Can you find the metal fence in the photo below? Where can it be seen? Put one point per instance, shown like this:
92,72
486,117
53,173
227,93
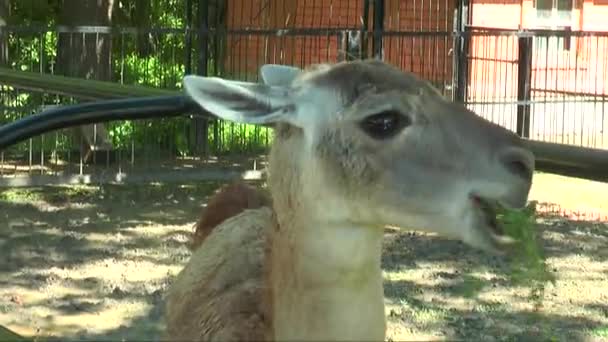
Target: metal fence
545,85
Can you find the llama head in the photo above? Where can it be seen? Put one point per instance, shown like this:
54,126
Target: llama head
372,146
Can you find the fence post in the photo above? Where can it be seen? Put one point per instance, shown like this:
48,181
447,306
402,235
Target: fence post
524,80
364,30
201,124
378,28
461,51
188,47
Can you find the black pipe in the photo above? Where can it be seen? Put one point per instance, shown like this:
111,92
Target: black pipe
96,112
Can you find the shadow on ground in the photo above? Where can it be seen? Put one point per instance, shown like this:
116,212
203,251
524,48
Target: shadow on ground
81,261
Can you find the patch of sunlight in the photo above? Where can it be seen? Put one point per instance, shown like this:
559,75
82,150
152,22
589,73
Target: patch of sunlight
419,314
157,230
584,264
121,269
48,207
161,253
568,191
53,322
18,233
491,307
600,332
428,316
30,296
21,195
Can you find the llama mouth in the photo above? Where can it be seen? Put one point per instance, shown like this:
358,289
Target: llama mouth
488,213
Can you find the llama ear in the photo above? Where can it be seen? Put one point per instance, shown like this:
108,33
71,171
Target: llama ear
243,102
279,75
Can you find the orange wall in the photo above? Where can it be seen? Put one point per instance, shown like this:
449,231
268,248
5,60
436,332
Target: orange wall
496,13
427,56
247,52
575,70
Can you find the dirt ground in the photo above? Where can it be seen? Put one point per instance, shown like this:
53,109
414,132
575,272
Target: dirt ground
92,263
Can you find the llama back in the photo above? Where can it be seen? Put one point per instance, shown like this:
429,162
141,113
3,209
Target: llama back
227,202
219,295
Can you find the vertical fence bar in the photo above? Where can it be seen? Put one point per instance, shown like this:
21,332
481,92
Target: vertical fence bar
201,123
188,47
364,29
524,80
461,50
378,28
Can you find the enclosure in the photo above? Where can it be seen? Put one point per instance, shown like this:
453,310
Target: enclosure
95,219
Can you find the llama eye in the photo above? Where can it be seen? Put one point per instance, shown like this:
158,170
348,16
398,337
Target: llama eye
385,124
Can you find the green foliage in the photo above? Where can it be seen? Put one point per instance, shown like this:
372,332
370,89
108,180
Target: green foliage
41,12
528,266
161,66
601,332
230,137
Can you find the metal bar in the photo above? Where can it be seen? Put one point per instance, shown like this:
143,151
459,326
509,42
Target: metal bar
77,87
201,124
95,112
461,51
188,47
530,102
570,160
364,29
378,28
470,30
524,81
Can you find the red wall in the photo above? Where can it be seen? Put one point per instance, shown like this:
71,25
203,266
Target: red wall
426,56
574,70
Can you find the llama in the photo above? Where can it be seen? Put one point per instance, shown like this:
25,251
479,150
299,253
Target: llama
227,202
358,146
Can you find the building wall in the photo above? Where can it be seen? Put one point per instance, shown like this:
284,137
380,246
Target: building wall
428,56
504,14
582,68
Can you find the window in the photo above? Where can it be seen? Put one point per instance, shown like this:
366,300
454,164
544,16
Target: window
554,14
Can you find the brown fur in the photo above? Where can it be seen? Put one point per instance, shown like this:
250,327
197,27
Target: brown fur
219,295
227,202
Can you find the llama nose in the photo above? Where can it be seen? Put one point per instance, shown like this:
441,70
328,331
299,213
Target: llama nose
519,162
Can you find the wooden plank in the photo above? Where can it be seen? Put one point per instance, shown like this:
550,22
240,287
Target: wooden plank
76,87
569,160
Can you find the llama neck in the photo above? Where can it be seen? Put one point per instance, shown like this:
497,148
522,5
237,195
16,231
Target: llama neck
326,282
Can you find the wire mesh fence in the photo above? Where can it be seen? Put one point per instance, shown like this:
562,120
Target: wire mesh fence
556,82
546,85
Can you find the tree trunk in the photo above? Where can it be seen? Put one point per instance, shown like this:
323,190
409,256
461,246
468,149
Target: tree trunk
5,12
143,20
217,20
86,55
